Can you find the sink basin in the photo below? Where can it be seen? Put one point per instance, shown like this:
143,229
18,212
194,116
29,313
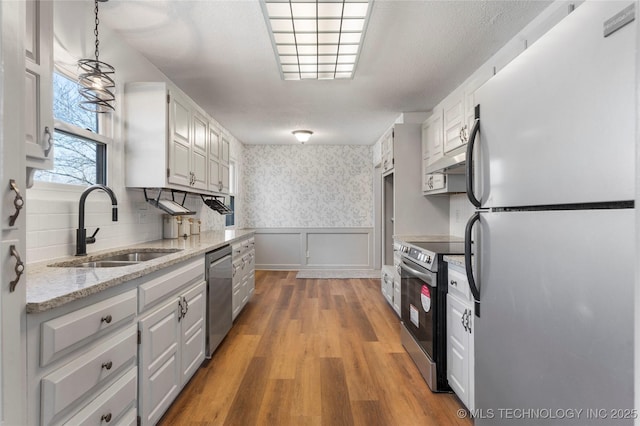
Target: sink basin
103,264
121,258
135,257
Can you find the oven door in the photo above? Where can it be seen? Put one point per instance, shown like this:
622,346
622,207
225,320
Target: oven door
419,304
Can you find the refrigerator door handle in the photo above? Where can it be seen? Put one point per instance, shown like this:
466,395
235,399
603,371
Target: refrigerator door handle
467,257
469,159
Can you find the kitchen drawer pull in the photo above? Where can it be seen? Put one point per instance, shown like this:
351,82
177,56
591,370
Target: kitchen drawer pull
181,309
468,321
462,320
18,202
107,319
106,418
107,365
19,268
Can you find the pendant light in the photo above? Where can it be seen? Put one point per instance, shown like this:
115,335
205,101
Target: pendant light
96,82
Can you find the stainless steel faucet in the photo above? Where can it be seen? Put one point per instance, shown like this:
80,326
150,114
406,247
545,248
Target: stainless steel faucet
81,234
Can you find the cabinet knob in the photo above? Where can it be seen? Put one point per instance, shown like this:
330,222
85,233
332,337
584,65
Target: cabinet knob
107,319
106,418
454,283
107,365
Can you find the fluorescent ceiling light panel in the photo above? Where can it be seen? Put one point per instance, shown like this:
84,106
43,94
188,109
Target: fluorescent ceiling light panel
317,39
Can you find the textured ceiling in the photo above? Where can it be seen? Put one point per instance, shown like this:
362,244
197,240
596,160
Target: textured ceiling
220,54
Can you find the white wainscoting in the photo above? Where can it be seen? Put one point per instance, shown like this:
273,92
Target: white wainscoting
314,248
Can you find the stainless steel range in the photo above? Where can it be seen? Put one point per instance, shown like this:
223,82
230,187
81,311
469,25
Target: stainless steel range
423,308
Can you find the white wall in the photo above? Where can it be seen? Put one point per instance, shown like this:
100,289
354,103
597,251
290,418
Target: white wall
460,210
307,186
52,210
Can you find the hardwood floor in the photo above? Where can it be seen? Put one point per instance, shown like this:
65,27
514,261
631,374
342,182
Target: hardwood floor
312,352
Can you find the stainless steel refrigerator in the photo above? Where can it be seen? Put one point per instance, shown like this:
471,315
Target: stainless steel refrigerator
553,177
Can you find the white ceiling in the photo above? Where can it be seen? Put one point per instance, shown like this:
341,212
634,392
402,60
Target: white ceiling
219,52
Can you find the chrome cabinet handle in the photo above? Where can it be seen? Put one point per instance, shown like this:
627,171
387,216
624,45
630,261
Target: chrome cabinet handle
19,268
107,365
106,319
462,320
180,309
49,140
469,321
18,202
106,418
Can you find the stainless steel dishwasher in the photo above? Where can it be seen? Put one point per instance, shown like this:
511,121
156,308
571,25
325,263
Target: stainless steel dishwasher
219,292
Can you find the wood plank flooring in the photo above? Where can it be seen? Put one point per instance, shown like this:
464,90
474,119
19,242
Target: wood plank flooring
312,352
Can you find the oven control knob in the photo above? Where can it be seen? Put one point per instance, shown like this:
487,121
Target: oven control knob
428,259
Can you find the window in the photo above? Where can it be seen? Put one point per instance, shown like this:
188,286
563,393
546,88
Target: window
230,219
80,150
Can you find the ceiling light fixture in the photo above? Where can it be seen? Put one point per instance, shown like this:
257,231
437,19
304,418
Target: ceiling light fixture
302,135
96,84
317,39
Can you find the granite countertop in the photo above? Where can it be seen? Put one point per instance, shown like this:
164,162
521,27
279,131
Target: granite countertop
50,287
455,260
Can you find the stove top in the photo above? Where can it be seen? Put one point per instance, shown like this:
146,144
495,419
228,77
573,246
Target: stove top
440,247
429,254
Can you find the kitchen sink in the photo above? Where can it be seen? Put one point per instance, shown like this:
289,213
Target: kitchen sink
113,260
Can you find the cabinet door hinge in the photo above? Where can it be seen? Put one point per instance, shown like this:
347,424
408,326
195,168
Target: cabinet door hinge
168,172
139,337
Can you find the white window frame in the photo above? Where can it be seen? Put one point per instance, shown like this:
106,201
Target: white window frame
103,136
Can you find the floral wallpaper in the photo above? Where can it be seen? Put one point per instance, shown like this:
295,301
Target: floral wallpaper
307,186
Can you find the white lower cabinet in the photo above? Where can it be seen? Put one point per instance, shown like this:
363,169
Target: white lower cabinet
172,344
460,339
243,280
82,361
120,356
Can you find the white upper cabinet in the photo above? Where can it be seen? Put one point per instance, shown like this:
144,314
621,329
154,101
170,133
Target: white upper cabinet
387,151
171,142
218,160
432,135
453,121
38,85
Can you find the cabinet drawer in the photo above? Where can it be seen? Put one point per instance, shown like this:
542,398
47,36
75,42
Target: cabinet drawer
159,288
236,250
62,333
86,372
458,283
130,418
111,404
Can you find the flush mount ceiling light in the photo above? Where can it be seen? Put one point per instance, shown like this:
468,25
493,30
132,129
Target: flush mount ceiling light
302,135
317,39
96,84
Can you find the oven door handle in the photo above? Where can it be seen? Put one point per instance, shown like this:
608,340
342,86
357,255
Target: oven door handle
428,278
